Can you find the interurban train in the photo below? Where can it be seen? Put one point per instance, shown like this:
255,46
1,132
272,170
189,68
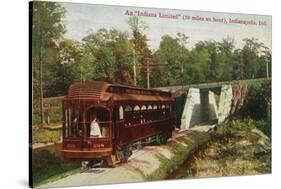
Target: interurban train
125,116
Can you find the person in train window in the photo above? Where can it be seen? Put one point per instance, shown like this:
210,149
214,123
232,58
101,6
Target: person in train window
142,120
74,126
95,128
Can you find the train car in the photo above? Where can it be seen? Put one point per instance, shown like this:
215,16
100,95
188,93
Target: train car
103,121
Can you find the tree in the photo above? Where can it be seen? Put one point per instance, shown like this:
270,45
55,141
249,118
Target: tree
250,55
113,51
226,57
238,65
265,62
58,76
47,30
137,25
173,54
141,52
197,69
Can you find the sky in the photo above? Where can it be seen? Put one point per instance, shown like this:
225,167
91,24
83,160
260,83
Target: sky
83,19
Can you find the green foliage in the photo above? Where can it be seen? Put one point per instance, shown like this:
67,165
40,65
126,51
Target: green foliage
113,56
108,54
264,126
244,153
142,55
46,165
44,136
236,148
257,105
249,124
180,153
246,124
52,112
172,54
197,69
47,30
137,25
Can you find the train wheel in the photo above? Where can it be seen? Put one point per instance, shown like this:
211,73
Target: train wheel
120,156
158,139
124,154
84,165
127,152
164,138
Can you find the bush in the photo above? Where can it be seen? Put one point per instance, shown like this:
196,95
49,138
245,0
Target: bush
43,159
46,165
246,124
264,126
44,135
256,102
52,111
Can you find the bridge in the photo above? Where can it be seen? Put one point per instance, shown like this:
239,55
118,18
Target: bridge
208,102
197,103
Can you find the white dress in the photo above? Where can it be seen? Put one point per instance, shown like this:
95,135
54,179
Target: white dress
95,129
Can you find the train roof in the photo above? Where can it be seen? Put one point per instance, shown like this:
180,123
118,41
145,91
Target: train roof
103,91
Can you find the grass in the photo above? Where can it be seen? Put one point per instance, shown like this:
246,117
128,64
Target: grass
54,173
180,152
40,135
47,167
248,124
237,156
237,148
52,111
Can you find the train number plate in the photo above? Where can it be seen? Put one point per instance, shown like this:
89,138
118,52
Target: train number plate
98,145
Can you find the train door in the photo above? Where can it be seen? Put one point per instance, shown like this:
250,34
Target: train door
115,123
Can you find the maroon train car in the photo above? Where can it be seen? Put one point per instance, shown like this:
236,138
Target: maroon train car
126,116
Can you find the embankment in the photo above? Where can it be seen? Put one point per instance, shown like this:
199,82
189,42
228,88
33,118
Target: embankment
148,163
157,162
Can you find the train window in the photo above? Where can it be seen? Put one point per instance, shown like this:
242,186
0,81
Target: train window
121,90
136,108
142,120
73,123
110,89
136,118
163,106
66,121
128,115
164,113
121,113
128,108
149,107
143,116
155,107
